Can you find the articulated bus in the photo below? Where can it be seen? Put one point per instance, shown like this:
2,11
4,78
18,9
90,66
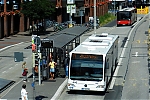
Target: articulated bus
126,16
93,62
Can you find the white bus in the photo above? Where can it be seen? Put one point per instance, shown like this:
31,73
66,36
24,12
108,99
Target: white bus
93,63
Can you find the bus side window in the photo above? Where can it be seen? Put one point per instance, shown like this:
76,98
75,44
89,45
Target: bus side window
130,14
107,64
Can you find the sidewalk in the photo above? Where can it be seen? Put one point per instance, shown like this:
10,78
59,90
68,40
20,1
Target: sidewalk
21,37
18,43
48,90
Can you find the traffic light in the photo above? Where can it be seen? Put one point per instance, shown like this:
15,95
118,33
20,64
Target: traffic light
36,43
33,47
36,61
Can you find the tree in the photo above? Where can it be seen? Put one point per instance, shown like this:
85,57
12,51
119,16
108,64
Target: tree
37,9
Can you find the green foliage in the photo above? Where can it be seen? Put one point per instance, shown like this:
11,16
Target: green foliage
37,9
108,17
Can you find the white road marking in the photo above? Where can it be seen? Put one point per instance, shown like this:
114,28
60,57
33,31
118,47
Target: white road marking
13,87
136,62
4,71
26,58
120,60
10,67
16,64
136,54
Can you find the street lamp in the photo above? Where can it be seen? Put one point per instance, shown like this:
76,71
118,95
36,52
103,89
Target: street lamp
114,7
27,0
71,9
14,4
1,3
95,16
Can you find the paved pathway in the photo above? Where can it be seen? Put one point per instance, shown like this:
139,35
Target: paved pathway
8,46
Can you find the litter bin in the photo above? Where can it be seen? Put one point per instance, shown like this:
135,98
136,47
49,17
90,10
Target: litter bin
45,73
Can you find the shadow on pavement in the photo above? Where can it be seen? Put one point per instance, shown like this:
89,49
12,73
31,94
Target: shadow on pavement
40,97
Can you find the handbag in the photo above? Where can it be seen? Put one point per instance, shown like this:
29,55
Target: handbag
24,73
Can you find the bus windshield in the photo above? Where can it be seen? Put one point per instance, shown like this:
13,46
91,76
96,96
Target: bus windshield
123,15
88,69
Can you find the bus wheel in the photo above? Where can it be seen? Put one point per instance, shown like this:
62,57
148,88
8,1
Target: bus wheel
103,92
118,25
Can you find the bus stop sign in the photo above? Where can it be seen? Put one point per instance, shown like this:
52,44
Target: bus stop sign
46,43
37,41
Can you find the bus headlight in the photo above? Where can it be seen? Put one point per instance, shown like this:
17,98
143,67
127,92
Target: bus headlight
100,86
71,85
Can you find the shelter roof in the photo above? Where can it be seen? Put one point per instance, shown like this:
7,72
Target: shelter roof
66,36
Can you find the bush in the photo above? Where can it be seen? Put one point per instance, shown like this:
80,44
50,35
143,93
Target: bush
108,17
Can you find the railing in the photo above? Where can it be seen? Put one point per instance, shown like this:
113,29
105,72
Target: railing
142,10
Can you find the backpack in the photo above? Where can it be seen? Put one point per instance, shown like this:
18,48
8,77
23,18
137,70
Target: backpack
66,61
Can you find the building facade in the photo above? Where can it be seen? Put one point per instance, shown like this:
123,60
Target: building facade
12,21
87,6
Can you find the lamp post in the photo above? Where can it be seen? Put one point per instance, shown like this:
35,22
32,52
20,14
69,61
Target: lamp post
71,8
95,16
114,7
70,16
1,3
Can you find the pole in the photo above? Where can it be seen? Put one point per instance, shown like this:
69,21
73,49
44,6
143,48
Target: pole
81,20
114,7
95,16
71,15
39,68
81,16
149,19
33,93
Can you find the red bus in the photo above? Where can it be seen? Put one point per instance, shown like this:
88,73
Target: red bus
126,16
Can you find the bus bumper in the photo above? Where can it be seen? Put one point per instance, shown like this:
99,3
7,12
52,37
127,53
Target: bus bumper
93,88
123,23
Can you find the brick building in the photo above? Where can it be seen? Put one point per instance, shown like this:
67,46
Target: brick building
86,5
12,21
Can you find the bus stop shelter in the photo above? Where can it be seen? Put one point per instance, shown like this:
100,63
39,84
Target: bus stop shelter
63,42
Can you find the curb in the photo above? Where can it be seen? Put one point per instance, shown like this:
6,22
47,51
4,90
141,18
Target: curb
12,86
7,86
59,90
7,47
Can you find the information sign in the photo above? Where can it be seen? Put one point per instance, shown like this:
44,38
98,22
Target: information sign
46,43
70,1
71,8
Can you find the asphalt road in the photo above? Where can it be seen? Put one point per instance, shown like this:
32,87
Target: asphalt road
133,74
137,76
132,78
